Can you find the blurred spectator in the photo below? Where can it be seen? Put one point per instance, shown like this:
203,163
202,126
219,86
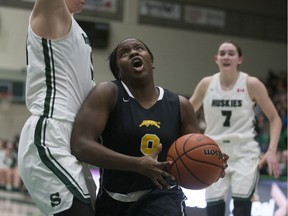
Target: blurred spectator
283,160
9,174
13,180
2,165
262,129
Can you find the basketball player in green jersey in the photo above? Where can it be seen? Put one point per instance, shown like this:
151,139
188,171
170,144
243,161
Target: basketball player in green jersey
59,77
136,122
228,98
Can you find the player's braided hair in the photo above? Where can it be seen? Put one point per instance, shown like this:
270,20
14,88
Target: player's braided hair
113,59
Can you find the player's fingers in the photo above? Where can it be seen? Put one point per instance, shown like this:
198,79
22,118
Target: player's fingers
274,170
225,157
160,181
163,183
168,175
223,174
157,184
261,163
158,150
164,166
270,170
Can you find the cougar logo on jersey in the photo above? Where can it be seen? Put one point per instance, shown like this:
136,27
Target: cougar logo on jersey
148,123
55,199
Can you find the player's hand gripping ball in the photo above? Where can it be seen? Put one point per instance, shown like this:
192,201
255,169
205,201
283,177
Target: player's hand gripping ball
197,161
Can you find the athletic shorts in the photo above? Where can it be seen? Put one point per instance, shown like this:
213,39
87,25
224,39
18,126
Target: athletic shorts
157,202
242,172
50,173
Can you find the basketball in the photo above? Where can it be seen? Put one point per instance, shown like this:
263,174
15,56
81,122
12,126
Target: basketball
197,161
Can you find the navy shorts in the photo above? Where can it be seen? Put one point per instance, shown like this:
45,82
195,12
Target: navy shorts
158,202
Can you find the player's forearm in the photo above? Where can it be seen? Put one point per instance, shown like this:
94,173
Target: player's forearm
98,155
275,130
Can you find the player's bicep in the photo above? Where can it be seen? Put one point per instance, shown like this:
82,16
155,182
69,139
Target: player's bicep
94,112
189,123
259,94
50,19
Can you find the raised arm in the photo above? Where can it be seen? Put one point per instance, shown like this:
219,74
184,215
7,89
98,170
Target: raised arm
51,19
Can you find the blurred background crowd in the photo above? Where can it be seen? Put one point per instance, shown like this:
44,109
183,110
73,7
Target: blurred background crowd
9,174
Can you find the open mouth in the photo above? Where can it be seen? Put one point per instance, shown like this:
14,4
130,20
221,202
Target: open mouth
137,63
226,64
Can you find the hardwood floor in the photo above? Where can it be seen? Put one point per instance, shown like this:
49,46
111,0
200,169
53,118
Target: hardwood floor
17,204
272,193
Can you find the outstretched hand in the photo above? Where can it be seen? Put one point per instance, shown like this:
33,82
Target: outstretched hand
270,158
150,167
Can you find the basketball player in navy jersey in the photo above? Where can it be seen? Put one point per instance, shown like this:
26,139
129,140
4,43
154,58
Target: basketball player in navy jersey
59,77
228,99
136,122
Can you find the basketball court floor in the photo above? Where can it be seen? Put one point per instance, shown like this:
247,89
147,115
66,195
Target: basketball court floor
20,204
17,204
273,198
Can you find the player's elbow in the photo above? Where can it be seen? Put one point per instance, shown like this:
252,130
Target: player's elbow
77,149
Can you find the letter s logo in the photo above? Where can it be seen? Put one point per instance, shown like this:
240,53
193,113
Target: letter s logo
55,199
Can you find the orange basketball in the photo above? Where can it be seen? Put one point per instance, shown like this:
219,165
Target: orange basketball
197,161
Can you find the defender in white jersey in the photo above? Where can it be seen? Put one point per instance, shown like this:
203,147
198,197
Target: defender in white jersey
228,99
59,77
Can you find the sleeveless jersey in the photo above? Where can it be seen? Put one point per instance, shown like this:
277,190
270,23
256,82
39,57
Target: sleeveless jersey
136,131
229,114
59,73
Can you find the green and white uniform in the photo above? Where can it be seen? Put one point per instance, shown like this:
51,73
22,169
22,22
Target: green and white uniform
230,119
59,77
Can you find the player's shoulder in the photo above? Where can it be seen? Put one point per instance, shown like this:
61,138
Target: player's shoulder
183,101
105,86
103,93
255,86
104,89
204,83
168,95
249,77
253,81
206,80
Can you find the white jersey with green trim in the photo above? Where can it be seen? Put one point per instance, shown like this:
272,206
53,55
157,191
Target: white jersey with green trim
59,73
229,114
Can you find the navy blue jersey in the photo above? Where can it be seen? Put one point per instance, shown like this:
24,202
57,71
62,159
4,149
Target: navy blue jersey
133,130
